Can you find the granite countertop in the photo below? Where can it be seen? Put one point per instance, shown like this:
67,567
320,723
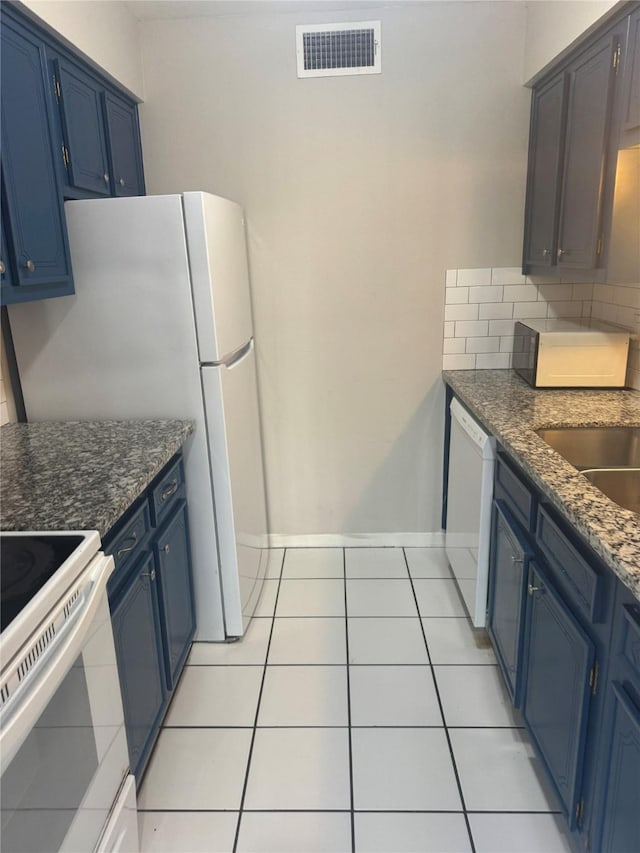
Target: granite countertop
80,475
512,410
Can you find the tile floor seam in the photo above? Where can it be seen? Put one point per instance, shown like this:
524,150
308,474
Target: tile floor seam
346,635
439,699
255,721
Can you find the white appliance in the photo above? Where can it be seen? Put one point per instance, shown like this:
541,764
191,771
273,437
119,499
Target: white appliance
469,496
571,353
160,326
63,751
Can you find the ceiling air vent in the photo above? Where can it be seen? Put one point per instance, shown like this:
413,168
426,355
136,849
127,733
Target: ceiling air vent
328,50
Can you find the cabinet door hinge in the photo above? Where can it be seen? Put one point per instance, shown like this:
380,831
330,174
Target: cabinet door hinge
65,156
593,678
56,88
616,58
600,246
579,811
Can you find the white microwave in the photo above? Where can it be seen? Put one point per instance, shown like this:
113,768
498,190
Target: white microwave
570,354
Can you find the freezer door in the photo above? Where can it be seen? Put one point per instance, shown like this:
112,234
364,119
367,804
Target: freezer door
219,274
233,431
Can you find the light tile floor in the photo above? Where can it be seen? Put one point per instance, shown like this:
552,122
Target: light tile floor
361,712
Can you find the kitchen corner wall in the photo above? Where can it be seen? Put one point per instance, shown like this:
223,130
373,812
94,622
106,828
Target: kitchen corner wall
358,192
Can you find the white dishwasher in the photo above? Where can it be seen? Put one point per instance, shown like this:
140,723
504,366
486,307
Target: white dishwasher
469,495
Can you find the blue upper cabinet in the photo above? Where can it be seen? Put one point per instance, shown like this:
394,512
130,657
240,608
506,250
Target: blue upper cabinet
68,131
125,150
35,231
85,143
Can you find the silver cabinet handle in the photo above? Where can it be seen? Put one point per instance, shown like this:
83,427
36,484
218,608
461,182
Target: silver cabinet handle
133,539
531,589
151,575
562,253
171,489
166,548
546,253
3,269
122,182
516,560
106,178
29,266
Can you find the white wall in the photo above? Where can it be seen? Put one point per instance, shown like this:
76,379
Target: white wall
359,192
553,24
106,31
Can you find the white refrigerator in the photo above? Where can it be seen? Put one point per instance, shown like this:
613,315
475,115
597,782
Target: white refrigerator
161,326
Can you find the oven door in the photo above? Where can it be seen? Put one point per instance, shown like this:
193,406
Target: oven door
64,751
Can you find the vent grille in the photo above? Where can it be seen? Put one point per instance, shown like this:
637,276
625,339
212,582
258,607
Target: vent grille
327,50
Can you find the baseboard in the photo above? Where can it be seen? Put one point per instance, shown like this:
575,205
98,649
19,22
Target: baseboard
357,540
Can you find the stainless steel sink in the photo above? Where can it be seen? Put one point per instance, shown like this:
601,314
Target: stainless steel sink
622,485
595,447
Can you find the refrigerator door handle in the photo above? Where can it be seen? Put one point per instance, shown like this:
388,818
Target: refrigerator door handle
233,358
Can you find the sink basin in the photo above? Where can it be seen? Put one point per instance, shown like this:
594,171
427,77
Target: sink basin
596,447
621,485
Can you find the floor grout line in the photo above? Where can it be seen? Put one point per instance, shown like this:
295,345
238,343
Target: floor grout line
444,720
346,634
255,724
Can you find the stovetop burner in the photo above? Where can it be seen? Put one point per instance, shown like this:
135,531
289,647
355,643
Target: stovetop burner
26,564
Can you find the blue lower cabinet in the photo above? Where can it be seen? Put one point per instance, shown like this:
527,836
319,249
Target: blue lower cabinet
621,827
557,689
135,620
176,592
509,567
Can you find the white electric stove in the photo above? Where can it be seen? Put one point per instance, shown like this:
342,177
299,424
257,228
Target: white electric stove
63,752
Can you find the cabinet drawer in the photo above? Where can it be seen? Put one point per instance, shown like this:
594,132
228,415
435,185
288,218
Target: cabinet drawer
166,490
581,581
510,487
126,543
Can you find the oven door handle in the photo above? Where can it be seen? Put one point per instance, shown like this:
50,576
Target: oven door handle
24,708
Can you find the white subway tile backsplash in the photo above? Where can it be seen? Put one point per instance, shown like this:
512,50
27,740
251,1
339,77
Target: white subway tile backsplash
471,329
457,295
555,292
507,343
474,278
520,293
564,309
485,294
453,346
501,327
458,362
493,361
529,310
482,344
496,311
460,312
482,305
507,275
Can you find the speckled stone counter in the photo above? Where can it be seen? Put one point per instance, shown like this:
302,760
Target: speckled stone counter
80,475
511,410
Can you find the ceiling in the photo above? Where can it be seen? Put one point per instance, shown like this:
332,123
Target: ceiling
151,9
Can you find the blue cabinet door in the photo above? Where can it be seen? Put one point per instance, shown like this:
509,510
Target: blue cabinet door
137,638
176,592
621,830
83,128
35,228
508,571
557,692
124,146
6,280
